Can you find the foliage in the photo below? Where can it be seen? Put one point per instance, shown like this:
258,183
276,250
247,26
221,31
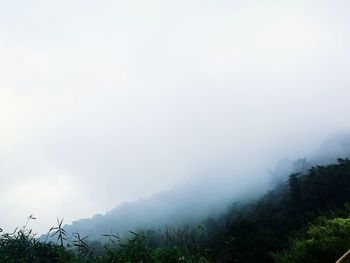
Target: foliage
21,246
252,232
325,241
304,219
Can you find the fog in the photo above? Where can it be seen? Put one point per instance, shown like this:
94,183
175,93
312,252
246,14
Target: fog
103,103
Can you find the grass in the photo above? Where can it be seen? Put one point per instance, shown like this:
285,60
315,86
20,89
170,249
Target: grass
180,245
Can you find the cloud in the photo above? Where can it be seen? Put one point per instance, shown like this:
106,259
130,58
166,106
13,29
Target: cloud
123,99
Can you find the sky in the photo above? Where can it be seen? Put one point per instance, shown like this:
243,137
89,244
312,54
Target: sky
103,102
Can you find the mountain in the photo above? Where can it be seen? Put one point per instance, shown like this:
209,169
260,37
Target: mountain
196,200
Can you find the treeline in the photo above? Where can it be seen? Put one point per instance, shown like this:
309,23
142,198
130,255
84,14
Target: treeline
262,231
304,219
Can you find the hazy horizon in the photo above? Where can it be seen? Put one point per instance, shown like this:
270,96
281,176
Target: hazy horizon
113,101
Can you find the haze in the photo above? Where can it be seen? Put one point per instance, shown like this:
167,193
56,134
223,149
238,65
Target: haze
103,102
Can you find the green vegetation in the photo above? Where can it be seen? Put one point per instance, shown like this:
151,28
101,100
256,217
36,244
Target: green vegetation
22,246
325,241
305,219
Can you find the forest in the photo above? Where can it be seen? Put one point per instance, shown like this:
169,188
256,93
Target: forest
304,218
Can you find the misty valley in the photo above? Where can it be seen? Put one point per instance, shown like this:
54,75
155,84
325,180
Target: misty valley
174,131
302,217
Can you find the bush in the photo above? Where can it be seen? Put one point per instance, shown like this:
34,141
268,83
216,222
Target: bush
21,246
326,241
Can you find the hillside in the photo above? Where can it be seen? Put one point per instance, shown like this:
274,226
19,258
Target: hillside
303,217
303,220
200,198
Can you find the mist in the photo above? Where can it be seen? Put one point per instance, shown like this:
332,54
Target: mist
113,102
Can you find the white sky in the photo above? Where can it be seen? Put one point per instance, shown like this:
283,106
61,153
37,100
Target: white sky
109,101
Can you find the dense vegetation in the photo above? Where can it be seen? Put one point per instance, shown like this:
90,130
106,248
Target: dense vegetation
255,232
304,219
